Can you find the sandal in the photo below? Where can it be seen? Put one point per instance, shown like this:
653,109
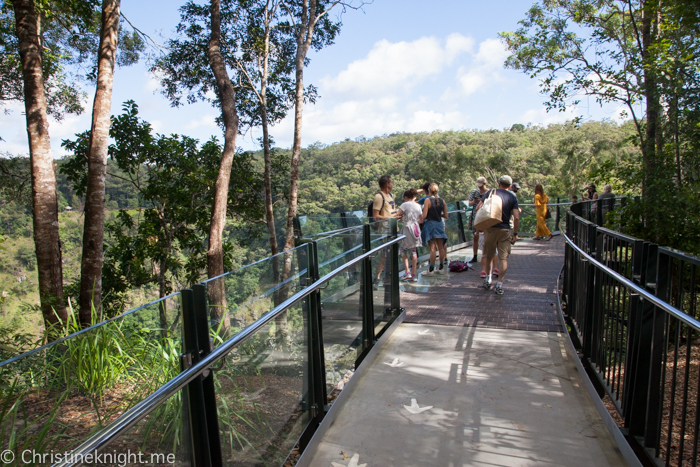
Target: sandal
550,237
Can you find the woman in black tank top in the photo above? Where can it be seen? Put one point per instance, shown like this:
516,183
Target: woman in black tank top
434,211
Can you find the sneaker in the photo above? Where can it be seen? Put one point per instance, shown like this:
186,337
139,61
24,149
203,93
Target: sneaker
442,271
483,274
487,284
495,271
413,279
429,273
408,277
499,289
473,260
376,283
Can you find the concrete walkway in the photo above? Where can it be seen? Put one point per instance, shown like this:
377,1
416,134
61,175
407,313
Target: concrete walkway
494,371
499,398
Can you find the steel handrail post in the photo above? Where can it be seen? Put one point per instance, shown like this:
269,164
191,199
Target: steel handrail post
316,354
196,407
589,312
639,252
395,290
643,342
366,297
205,346
557,218
460,226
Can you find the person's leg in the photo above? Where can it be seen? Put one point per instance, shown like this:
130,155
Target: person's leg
503,249
489,252
432,253
475,245
380,265
414,257
443,252
407,271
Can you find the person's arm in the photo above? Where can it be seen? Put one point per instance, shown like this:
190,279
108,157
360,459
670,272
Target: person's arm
595,195
538,201
516,224
472,200
376,211
426,206
444,209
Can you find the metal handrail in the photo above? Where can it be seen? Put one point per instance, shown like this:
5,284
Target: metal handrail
127,420
678,314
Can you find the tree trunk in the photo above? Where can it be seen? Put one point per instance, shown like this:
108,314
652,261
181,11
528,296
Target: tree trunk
93,232
267,178
44,199
215,253
162,305
652,116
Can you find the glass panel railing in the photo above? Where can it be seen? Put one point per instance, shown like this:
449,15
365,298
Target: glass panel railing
381,295
239,298
161,438
56,396
262,393
341,305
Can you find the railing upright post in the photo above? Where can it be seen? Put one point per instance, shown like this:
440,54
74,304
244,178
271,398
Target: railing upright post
395,290
366,291
557,218
623,204
316,353
590,311
599,212
639,343
205,344
460,226
194,394
296,225
657,272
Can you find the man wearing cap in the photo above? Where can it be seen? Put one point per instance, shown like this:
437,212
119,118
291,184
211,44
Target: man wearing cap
474,199
498,237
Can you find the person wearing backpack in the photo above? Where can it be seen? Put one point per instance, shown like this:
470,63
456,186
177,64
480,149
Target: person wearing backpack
434,211
411,214
382,207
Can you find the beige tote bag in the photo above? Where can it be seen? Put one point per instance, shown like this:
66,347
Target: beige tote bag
491,213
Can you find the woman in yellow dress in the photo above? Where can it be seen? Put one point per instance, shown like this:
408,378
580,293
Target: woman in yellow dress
541,201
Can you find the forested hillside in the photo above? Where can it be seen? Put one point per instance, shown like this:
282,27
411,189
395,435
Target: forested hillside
338,177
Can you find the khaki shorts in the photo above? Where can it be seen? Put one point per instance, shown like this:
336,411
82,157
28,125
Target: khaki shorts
497,240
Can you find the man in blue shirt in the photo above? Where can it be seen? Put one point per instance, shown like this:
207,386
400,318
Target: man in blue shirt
498,237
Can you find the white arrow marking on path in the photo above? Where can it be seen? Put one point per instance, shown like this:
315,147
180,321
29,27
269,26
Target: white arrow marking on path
348,328
395,363
423,332
353,462
415,408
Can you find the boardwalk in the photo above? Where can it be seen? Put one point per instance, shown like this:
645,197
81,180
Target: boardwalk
528,303
490,376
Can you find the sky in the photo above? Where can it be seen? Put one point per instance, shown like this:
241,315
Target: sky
397,66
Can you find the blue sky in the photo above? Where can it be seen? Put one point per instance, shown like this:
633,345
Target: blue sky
397,66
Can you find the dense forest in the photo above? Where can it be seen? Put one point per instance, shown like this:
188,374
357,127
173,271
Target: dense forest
132,214
334,178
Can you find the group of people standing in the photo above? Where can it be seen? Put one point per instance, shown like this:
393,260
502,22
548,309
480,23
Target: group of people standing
423,222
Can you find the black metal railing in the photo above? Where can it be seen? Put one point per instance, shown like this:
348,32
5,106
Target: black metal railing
631,307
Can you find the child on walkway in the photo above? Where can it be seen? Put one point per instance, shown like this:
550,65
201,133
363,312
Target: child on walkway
410,213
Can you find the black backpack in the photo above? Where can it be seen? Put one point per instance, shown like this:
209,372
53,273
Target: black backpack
370,208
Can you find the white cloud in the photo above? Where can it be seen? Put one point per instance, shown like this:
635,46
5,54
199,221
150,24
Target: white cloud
400,65
485,69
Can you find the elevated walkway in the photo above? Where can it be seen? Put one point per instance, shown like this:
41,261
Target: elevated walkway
493,370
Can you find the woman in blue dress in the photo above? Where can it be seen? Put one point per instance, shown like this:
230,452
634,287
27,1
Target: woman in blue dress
434,211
